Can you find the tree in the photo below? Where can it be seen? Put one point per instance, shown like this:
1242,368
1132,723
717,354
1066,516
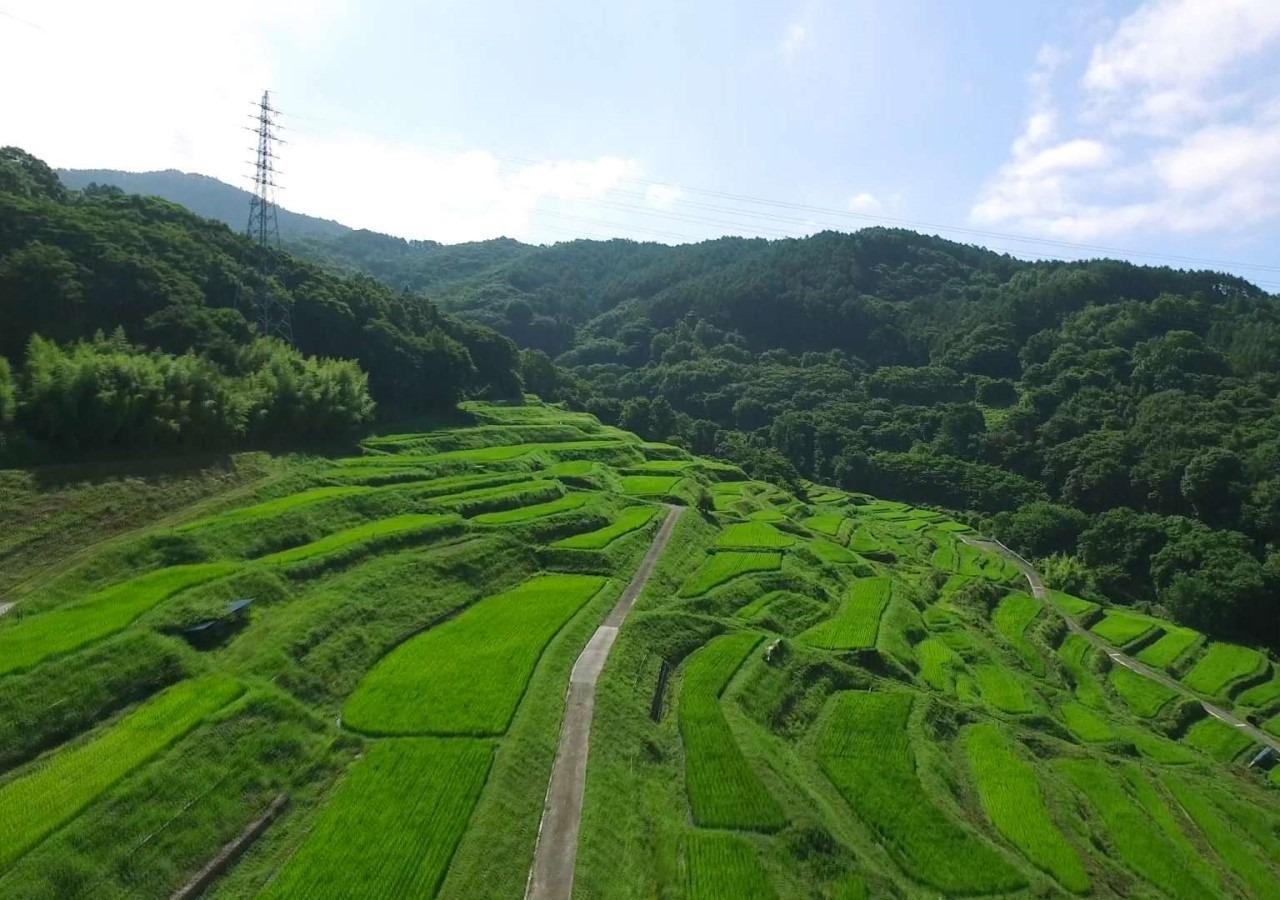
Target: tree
1215,484
1041,529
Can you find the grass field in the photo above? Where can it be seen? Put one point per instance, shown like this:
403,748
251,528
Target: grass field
1169,647
1142,695
466,676
1119,627
864,748
1010,793
630,519
536,511
1218,739
720,866
857,621
1221,666
753,536
270,508
56,787
30,639
1134,829
1012,617
723,790
1001,689
392,826
722,567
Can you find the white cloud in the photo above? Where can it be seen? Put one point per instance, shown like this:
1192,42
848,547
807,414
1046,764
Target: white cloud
865,203
1174,130
795,39
462,196
153,84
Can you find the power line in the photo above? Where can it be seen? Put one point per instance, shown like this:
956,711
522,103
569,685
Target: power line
272,316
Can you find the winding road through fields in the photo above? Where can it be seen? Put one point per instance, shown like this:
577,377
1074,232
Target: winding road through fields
1040,593
551,877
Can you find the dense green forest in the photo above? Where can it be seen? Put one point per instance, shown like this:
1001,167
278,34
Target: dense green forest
1119,422
123,324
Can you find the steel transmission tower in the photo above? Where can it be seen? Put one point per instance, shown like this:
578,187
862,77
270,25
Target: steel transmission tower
269,313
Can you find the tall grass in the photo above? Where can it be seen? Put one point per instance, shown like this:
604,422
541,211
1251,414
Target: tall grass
864,748
1010,792
466,677
723,790
1075,653
1235,848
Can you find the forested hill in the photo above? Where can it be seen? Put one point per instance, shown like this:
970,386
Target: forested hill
123,325
1119,422
201,194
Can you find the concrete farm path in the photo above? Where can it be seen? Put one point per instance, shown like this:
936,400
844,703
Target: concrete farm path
1040,593
554,858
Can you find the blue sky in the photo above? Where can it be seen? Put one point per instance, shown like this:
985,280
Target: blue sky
1042,128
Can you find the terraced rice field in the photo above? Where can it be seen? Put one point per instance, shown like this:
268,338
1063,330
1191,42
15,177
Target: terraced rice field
649,485
393,824
1170,646
1086,724
1262,696
52,790
1120,628
832,554
719,866
1155,853
33,638
723,790
536,511
1142,695
630,519
825,523
466,676
1011,796
1012,618
1075,653
753,536
864,748
725,566
1218,739
1001,689
1239,851
939,664
396,529
1072,605
1221,666
857,622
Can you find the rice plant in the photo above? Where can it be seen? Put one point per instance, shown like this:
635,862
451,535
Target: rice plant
857,621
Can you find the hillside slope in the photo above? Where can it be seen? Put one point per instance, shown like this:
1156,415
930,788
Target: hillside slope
817,694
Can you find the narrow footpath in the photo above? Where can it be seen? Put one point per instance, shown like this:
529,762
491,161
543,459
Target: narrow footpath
1040,593
551,877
